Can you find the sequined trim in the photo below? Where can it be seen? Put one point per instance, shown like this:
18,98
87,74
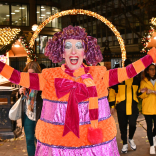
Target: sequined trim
81,123
64,102
88,146
106,149
55,113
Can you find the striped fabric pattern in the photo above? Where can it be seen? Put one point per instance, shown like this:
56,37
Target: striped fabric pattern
92,92
28,80
120,74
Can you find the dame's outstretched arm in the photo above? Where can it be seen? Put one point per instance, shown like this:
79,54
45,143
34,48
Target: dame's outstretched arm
29,80
115,76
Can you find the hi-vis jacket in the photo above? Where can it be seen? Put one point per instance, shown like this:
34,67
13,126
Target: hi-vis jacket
149,100
125,94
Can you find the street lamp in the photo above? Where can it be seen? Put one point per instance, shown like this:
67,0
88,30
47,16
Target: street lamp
34,27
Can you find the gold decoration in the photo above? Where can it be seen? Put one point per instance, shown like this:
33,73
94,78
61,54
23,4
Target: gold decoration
153,21
7,34
83,12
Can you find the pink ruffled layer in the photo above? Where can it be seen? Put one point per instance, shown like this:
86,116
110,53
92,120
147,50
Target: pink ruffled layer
109,148
54,112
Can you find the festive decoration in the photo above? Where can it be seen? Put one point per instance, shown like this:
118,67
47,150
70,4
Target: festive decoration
153,21
84,12
3,58
34,27
148,36
7,35
31,56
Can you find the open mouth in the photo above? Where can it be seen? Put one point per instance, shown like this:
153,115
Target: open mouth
73,60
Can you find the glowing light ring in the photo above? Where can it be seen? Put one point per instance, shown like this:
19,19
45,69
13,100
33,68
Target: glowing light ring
153,21
84,12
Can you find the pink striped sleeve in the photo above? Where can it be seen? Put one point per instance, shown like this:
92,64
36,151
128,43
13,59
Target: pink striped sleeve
29,80
128,71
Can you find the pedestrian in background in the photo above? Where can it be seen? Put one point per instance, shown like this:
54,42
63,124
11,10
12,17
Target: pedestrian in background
124,97
30,115
148,88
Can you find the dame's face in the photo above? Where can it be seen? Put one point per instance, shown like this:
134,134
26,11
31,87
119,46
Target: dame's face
151,71
73,53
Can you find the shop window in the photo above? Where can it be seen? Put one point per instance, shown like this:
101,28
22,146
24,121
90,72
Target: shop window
4,14
19,14
41,42
44,12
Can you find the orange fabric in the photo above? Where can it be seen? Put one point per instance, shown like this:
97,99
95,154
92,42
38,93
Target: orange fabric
42,81
89,82
7,71
25,80
106,79
50,74
122,74
52,134
94,123
79,72
139,66
152,52
93,102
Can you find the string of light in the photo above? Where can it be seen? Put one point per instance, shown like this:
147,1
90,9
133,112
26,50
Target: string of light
83,12
7,35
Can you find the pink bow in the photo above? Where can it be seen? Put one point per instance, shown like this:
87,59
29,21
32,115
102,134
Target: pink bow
78,92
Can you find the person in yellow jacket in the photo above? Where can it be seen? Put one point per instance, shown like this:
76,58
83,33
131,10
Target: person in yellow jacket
148,87
124,97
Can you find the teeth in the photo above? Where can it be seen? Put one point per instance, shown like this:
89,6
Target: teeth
74,60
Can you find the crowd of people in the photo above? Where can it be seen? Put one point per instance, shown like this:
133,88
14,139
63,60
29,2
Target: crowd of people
74,114
124,97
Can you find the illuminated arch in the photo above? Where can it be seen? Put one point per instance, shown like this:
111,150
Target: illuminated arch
84,12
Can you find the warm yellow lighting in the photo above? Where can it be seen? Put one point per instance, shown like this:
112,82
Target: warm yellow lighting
34,27
84,12
17,45
7,34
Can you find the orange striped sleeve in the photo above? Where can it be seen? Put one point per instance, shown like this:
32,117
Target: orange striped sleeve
139,66
24,81
29,80
122,74
7,71
42,81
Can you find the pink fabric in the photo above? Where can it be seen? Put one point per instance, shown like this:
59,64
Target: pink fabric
131,72
55,112
147,60
34,81
109,148
78,92
86,76
15,77
1,66
93,114
113,77
86,69
92,91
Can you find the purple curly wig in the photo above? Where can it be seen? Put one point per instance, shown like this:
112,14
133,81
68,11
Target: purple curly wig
55,46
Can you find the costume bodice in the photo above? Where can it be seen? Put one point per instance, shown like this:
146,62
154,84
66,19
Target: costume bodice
49,75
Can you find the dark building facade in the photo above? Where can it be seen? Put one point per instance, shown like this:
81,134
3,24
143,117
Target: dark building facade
24,14
127,16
